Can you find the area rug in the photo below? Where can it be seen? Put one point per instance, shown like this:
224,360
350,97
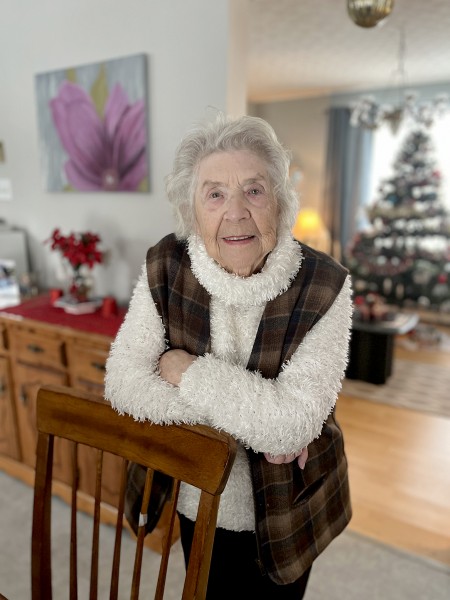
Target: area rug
352,567
413,385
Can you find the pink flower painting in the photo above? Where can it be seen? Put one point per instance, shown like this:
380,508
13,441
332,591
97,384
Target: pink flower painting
101,133
104,154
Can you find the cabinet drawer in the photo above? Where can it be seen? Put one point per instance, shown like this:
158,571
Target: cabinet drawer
39,348
89,365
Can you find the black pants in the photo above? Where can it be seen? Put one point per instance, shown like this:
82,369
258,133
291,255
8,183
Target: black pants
234,570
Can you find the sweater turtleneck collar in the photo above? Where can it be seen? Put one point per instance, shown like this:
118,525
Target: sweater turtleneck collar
280,268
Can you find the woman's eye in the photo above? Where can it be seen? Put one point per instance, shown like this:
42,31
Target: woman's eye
257,195
215,198
255,191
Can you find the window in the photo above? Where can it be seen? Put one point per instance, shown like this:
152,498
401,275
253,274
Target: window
386,147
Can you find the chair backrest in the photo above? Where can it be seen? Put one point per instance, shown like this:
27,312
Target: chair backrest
198,455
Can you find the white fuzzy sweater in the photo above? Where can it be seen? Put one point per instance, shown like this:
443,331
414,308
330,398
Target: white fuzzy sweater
278,416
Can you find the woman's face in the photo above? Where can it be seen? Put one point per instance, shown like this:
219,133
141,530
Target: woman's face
236,211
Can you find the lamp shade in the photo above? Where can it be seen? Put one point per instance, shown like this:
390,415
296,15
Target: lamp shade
310,229
308,225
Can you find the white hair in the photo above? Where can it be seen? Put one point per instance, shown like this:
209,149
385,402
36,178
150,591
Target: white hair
226,134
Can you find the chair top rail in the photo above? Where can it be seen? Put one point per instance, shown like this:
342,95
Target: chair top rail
182,451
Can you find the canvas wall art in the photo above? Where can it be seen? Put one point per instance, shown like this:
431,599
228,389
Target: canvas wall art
93,129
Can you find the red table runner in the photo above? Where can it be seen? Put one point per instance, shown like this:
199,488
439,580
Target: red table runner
40,309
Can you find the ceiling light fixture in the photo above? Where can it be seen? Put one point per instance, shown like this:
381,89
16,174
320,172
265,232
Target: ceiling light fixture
369,13
370,114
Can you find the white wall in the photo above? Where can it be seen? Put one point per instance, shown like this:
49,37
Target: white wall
187,44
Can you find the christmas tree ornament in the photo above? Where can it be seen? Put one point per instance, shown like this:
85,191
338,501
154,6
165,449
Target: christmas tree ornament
445,306
423,302
441,290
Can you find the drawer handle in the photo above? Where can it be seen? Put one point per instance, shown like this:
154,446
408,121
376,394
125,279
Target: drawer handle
35,348
3,387
98,366
23,397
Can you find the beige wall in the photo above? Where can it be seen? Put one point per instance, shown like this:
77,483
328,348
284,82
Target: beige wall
302,127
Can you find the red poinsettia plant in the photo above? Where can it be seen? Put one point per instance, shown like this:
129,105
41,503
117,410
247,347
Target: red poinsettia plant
78,248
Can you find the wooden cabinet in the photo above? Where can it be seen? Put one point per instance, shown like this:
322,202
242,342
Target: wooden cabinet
87,364
42,345
28,379
9,442
38,346
38,357
33,353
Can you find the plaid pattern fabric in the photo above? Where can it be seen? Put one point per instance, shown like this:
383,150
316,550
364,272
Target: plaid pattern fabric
298,513
161,491
181,301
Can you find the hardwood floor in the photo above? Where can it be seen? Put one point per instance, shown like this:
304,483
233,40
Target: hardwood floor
399,464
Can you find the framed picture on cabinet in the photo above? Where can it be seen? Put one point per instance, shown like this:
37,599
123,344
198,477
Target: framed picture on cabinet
9,286
93,129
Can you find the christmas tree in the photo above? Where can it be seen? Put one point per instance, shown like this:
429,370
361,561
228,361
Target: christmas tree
404,256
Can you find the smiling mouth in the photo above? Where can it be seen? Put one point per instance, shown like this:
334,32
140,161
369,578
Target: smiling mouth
238,238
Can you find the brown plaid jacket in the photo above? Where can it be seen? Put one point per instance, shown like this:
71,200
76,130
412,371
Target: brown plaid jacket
298,513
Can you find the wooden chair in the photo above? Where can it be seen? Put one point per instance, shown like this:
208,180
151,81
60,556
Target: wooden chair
198,455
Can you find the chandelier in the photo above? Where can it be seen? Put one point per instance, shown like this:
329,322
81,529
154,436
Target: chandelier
367,113
369,13
370,114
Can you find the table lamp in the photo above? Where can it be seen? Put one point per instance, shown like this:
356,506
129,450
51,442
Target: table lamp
309,228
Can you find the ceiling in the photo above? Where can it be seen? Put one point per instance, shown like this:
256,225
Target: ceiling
301,48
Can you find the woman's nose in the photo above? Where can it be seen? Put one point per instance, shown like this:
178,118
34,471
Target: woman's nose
237,207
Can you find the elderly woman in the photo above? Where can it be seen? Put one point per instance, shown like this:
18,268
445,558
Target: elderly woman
235,324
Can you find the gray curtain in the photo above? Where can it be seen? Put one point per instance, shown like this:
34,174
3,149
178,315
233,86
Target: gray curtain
348,161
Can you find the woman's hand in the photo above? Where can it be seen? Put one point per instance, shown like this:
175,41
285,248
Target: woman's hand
279,459
173,364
